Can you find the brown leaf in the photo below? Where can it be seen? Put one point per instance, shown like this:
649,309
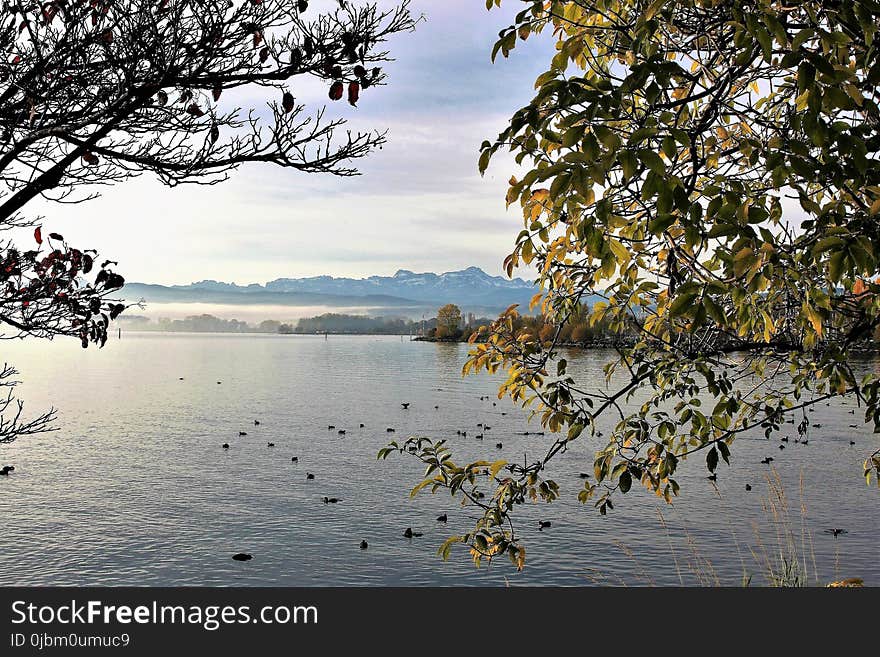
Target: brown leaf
354,90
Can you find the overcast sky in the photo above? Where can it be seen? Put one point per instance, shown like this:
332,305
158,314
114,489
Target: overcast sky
420,205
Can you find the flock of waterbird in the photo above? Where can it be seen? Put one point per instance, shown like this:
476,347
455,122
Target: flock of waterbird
483,428
409,532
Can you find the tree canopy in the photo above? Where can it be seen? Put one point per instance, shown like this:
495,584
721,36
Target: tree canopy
448,320
709,167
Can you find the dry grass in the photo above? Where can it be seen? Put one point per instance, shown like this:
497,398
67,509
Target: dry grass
782,553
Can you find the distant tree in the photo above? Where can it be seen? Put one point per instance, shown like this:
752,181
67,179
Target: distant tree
710,168
448,320
269,326
94,92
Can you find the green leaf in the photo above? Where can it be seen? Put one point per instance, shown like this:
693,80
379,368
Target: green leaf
715,311
725,451
681,304
712,459
660,223
653,161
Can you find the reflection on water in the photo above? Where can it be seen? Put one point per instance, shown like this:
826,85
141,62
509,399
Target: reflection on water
136,489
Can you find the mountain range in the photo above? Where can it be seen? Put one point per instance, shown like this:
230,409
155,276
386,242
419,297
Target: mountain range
469,288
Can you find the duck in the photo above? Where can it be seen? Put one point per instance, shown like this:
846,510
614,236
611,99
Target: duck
405,405
331,500
219,383
767,460
436,407
389,430
748,487
784,439
6,470
479,436
441,518
464,434
242,556
294,459
805,442
270,444
225,445
242,433
543,524
409,533
362,425
713,477
499,445
309,475
180,378
782,447
256,423
486,428
583,475
835,532
364,545
480,424
341,432
330,427
852,442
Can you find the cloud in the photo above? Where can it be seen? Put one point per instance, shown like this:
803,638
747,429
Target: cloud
420,204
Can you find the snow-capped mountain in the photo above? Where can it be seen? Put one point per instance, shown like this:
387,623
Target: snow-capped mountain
471,287
468,286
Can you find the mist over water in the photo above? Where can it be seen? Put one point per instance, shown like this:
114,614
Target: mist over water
256,313
136,489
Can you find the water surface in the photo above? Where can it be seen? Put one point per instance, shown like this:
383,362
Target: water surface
136,489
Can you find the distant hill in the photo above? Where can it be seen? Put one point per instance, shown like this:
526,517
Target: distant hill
471,287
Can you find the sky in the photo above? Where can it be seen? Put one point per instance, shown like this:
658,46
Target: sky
420,203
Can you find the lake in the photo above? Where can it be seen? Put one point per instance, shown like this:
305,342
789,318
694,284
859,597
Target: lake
135,488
